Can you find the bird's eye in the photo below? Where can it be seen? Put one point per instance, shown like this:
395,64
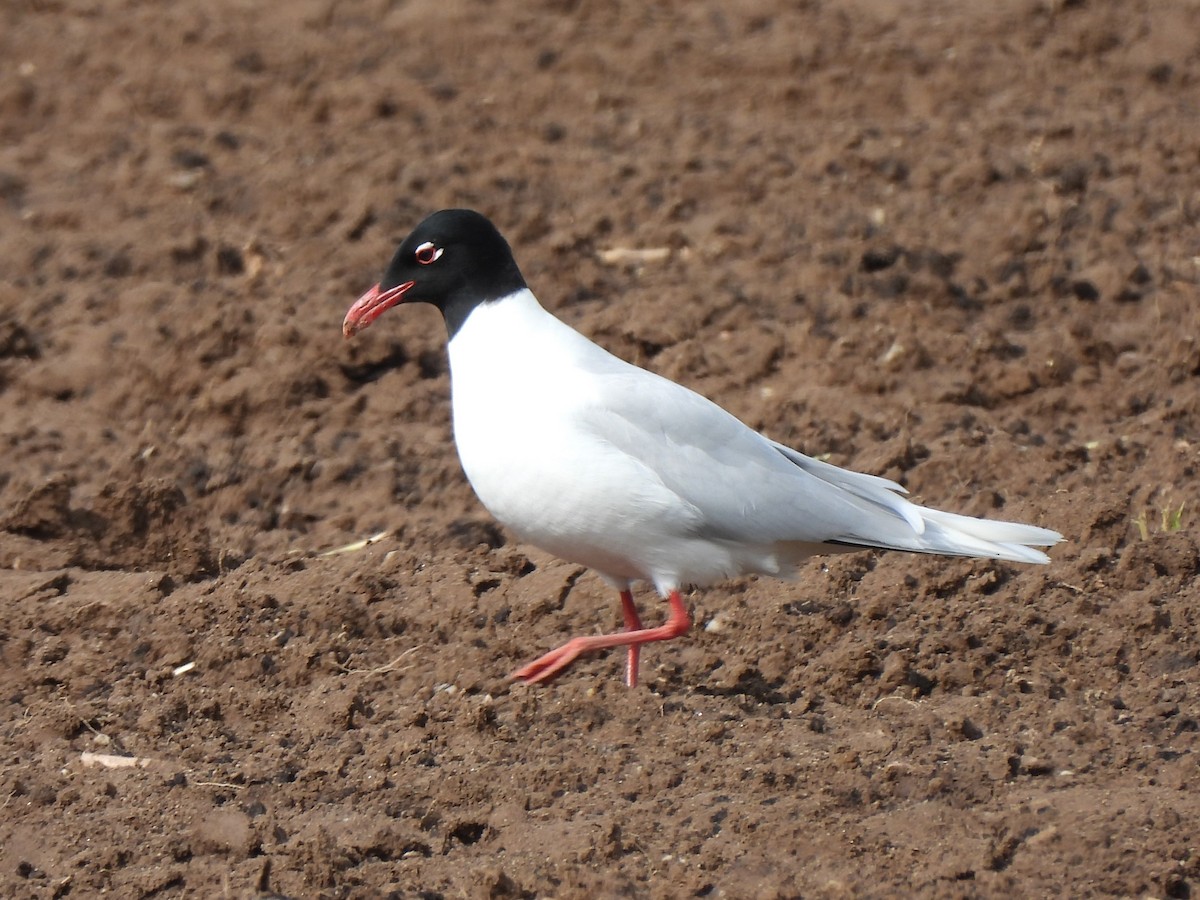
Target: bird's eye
428,253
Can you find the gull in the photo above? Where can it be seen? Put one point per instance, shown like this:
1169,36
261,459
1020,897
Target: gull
618,469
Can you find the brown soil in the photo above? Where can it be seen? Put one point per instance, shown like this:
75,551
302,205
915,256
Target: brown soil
951,243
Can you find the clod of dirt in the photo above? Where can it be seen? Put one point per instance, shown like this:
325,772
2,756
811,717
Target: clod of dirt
135,525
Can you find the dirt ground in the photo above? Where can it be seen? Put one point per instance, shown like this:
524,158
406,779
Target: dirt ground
955,244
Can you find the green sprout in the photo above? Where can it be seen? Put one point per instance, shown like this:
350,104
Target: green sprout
1142,527
1170,521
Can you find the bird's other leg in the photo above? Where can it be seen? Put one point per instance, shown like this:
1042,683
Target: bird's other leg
632,623
550,664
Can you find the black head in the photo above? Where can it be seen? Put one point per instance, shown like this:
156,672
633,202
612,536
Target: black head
455,260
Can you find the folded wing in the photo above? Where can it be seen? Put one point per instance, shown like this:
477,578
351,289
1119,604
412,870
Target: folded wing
749,489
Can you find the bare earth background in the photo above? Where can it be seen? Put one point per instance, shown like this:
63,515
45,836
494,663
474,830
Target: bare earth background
955,244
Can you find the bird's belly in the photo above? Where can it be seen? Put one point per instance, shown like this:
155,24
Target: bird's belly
574,497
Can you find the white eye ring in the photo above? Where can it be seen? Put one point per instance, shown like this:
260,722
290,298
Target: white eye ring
428,253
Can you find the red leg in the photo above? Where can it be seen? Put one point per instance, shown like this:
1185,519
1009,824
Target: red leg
550,664
632,623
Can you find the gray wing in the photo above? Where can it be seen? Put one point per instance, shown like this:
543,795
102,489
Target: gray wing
745,487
